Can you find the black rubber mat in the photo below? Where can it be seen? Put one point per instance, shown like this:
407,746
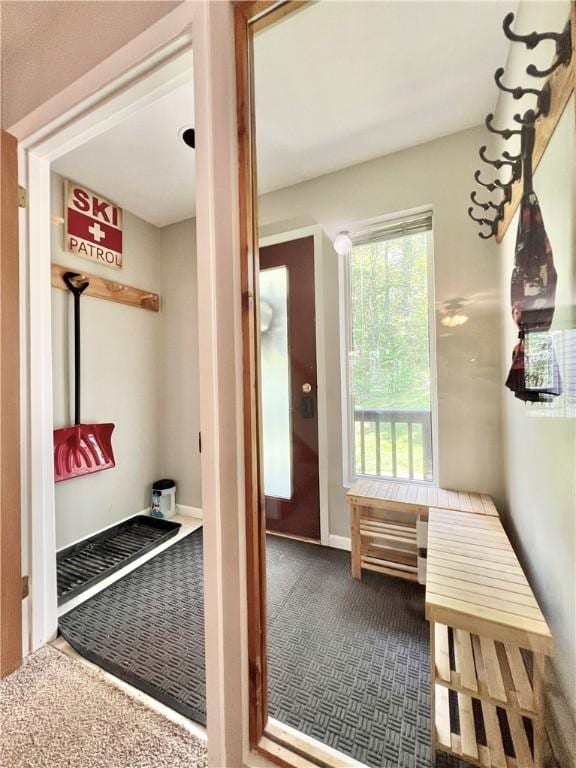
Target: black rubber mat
348,660
89,561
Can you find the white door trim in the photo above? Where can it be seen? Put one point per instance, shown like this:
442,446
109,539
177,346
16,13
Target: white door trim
283,237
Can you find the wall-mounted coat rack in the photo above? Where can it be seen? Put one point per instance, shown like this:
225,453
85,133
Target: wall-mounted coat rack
101,288
541,121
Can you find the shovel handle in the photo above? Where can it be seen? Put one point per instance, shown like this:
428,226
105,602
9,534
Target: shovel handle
77,284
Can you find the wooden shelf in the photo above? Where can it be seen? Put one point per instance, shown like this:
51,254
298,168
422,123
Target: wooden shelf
392,516
493,671
110,290
417,498
461,738
403,535
390,561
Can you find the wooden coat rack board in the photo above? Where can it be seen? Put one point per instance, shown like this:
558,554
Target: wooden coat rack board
562,85
109,290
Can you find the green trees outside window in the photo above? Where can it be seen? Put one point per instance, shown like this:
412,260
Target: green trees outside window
389,357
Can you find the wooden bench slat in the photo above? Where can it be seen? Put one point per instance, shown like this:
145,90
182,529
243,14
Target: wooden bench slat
493,736
464,659
442,652
469,744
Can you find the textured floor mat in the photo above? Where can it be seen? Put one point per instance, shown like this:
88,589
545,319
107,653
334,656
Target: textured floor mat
348,660
138,627
89,561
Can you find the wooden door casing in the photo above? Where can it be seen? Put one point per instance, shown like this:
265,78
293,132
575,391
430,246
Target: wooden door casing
10,523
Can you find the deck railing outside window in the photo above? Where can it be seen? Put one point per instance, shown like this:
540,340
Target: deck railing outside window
393,443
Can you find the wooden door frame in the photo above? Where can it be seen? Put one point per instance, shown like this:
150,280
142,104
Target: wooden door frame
275,741
70,117
11,593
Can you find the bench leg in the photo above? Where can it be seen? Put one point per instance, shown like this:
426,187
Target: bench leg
355,543
538,723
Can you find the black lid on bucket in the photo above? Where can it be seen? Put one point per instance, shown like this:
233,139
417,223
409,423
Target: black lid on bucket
163,485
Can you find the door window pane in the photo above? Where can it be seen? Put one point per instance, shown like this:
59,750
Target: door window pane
275,384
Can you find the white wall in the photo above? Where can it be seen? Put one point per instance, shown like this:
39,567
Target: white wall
438,174
180,416
121,376
540,451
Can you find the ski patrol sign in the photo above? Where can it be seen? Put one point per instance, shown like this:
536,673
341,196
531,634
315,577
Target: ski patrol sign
93,226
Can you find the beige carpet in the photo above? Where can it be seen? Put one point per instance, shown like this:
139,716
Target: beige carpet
55,713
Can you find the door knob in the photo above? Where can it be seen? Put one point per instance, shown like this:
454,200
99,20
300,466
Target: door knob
306,388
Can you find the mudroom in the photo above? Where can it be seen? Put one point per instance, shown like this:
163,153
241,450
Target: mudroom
300,366
125,393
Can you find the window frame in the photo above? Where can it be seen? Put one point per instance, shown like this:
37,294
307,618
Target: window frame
348,430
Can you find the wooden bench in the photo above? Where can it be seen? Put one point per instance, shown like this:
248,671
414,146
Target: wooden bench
388,524
482,612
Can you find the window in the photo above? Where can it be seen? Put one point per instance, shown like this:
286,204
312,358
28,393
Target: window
388,328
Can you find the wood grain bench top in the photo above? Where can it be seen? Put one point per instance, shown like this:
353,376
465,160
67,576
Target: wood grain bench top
419,497
474,581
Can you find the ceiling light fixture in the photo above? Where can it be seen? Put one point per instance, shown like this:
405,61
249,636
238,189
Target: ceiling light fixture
188,136
343,243
453,321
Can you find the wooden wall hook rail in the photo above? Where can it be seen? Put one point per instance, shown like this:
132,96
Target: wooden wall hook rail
109,290
562,83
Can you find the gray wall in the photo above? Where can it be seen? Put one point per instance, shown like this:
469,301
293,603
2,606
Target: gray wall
540,450
180,414
139,370
121,377
439,174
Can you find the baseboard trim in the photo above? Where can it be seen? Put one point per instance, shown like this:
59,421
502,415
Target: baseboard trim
339,542
560,723
186,511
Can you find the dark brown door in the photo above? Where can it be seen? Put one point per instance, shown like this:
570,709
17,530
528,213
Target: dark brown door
289,388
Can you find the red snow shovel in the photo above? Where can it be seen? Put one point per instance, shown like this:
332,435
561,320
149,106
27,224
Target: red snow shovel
83,448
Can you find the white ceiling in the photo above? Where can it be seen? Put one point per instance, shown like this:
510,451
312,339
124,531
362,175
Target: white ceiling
337,83
343,82
140,163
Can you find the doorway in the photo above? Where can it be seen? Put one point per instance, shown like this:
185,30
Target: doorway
84,109
338,147
128,535
290,388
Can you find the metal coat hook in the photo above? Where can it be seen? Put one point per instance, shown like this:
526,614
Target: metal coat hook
478,221
531,40
513,158
528,118
492,186
563,54
562,41
492,223
485,206
506,133
498,163
518,92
